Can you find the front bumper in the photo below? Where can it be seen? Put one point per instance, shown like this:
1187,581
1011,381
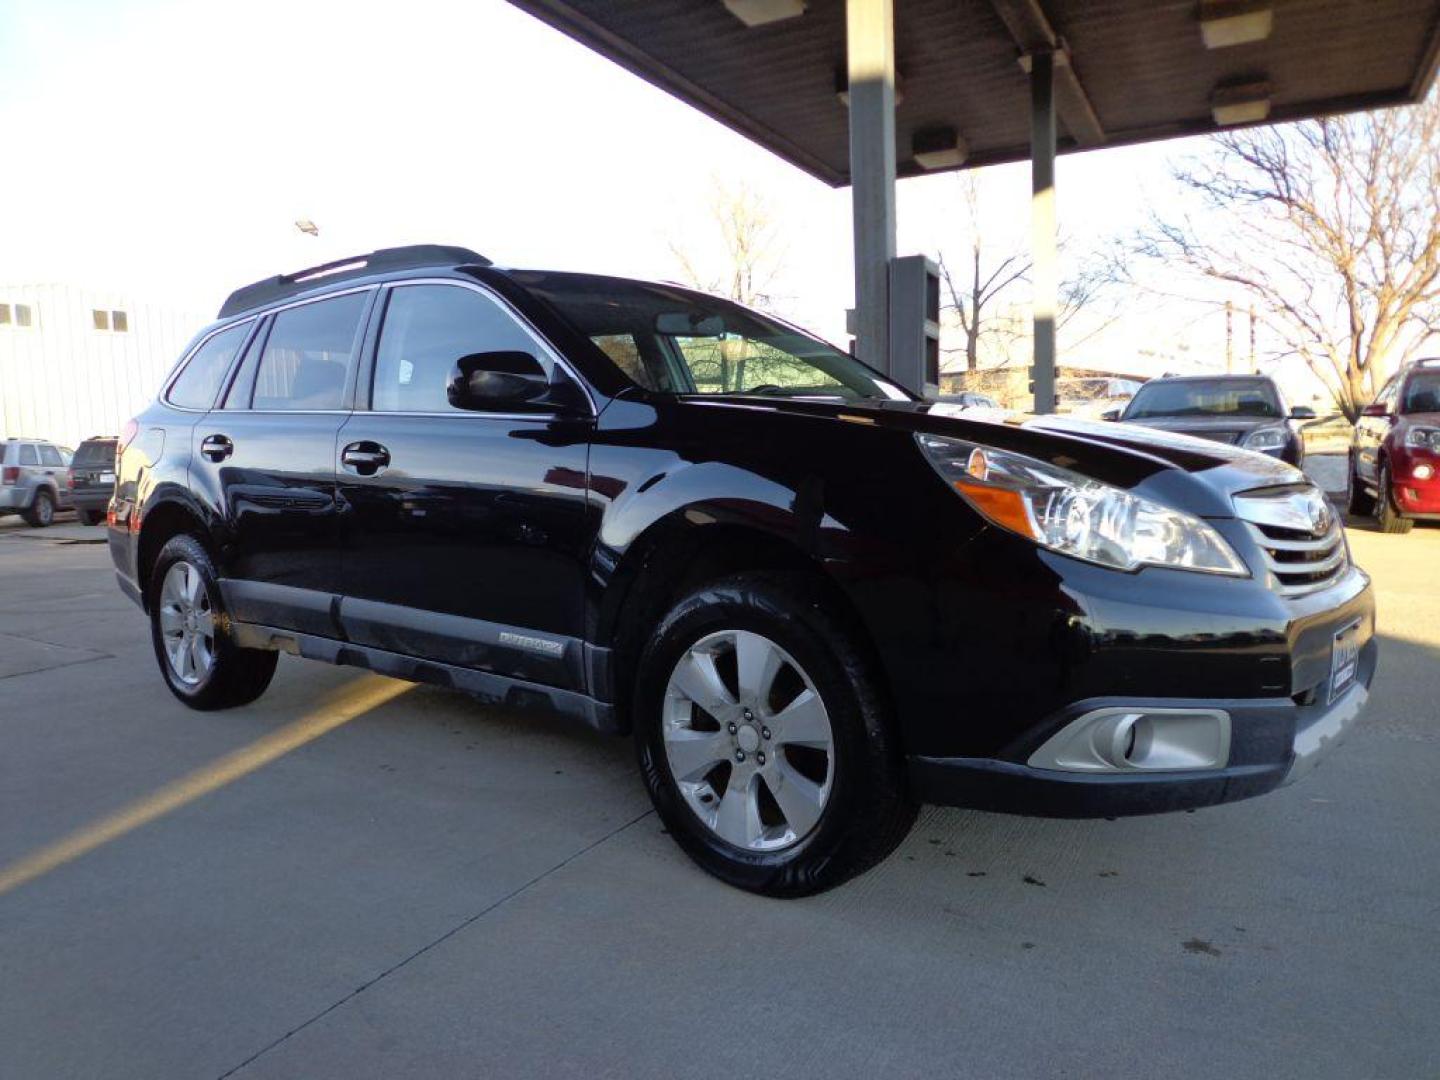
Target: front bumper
1417,497
1273,741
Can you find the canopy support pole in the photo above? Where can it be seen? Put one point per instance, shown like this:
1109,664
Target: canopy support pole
870,61
1044,255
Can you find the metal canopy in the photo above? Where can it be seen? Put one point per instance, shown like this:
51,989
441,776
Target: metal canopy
1137,69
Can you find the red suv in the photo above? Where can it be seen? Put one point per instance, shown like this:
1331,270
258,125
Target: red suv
1395,455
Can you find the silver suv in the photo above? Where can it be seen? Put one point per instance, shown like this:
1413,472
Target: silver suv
33,479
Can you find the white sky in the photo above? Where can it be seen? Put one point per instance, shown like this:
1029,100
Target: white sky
166,148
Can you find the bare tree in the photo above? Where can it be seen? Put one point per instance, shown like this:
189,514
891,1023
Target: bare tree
1333,228
980,277
983,286
743,257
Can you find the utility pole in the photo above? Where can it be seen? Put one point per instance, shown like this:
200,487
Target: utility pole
1252,339
1229,338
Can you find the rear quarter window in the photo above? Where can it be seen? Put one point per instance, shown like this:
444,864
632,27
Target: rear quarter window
196,385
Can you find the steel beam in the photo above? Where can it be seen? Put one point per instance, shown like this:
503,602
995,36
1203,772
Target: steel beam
870,63
1032,33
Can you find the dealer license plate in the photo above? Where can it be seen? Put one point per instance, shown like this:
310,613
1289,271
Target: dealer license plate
1344,659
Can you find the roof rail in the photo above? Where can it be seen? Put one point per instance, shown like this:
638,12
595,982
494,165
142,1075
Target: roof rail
399,258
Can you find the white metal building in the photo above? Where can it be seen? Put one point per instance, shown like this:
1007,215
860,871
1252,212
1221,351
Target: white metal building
76,363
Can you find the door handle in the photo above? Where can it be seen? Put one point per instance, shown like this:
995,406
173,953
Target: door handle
365,458
216,447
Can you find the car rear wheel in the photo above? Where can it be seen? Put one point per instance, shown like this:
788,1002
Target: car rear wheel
42,510
202,666
1386,512
1362,503
91,517
764,739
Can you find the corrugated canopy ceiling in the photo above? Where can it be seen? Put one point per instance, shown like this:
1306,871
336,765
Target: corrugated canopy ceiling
1138,69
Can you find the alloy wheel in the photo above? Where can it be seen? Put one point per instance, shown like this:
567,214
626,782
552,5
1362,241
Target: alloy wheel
748,741
187,624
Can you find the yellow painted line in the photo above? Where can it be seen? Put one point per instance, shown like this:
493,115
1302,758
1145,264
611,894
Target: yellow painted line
350,701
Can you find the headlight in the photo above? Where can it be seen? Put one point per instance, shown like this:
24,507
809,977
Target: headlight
1266,438
1423,438
1075,515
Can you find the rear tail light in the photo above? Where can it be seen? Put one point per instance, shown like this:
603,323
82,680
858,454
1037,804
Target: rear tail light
127,436
10,474
70,478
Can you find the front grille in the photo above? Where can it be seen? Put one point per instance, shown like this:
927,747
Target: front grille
1299,535
1231,437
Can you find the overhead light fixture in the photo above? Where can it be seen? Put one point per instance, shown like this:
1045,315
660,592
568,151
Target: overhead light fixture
764,12
308,227
938,148
1240,103
1224,23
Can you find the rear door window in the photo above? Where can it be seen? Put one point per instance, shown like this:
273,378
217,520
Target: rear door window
28,455
196,385
308,355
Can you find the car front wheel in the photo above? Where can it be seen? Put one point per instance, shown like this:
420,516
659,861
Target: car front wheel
764,739
1362,503
202,666
1386,512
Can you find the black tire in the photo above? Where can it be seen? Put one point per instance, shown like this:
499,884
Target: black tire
868,811
236,676
91,517
1386,512
1362,503
42,510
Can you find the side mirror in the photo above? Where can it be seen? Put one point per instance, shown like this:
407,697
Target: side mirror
1112,413
1375,408
491,381
1302,412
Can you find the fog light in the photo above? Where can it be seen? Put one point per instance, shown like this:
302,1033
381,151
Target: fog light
1422,472
1138,740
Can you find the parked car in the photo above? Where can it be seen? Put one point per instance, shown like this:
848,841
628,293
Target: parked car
92,478
32,480
813,601
1093,396
1395,452
969,399
1243,410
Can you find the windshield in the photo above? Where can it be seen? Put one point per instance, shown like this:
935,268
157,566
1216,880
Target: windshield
671,340
1205,397
1422,393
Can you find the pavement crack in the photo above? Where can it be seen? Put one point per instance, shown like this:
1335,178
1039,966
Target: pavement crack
468,921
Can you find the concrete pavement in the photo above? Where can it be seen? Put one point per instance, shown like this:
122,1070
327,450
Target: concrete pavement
432,889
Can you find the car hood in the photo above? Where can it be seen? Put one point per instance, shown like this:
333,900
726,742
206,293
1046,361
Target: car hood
1192,474
1231,429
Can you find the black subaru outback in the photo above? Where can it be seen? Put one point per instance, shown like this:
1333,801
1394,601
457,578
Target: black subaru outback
814,602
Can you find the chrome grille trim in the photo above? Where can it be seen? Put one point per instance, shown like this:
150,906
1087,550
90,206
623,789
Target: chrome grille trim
1301,558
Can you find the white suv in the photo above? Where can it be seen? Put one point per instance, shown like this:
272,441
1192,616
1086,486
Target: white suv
33,479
